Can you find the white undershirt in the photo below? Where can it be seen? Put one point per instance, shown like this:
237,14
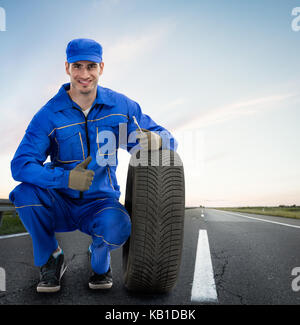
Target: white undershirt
86,111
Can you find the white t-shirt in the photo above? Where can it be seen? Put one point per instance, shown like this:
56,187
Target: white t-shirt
86,111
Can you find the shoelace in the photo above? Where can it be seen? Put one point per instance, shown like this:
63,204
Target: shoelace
48,271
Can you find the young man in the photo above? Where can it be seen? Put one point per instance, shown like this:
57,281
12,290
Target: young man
78,189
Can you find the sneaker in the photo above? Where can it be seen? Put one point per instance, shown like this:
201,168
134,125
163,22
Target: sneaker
101,281
51,273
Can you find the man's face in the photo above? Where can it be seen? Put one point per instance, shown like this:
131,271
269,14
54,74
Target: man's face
84,75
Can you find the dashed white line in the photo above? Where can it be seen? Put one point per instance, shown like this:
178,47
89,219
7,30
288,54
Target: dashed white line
204,287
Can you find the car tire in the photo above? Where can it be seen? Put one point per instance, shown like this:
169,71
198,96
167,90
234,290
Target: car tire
155,200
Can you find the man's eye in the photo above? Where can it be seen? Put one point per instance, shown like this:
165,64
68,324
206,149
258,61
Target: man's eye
92,66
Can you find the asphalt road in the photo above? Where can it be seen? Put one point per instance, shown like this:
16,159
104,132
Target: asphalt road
252,262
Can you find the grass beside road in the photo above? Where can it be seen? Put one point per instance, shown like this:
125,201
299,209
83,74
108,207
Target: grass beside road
11,224
281,211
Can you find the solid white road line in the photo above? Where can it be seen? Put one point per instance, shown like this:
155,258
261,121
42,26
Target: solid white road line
204,288
277,223
14,235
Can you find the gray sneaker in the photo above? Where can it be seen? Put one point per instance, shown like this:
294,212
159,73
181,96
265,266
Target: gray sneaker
100,281
51,274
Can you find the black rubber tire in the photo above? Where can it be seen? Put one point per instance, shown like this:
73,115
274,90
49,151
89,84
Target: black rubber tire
155,200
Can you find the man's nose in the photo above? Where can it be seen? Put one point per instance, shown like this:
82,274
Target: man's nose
84,73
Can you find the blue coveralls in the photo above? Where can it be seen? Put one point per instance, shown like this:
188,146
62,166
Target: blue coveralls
43,200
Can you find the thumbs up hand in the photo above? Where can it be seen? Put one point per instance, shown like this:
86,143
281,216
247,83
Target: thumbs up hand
80,177
84,164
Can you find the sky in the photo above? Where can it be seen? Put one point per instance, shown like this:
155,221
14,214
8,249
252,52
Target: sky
222,75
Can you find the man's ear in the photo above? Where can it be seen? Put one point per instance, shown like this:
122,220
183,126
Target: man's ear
101,64
67,65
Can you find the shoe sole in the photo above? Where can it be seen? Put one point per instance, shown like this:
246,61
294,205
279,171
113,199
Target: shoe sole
48,289
56,288
100,286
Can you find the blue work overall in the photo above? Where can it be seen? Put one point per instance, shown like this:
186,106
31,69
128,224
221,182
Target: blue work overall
44,201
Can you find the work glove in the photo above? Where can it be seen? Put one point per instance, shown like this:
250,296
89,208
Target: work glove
148,140
80,178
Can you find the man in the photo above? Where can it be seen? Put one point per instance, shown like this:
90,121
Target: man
79,128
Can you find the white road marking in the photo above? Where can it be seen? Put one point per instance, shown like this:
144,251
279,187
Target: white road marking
204,287
277,223
14,235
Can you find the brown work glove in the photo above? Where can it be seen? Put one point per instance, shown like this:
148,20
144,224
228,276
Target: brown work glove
80,178
148,140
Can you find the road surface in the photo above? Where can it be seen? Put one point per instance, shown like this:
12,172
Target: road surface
228,258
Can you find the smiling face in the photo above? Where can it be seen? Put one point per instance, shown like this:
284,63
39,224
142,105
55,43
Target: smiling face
84,76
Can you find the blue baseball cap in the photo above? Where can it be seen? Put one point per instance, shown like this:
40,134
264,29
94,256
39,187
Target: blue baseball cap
84,49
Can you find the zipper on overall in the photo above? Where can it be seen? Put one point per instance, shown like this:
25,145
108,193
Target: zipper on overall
86,134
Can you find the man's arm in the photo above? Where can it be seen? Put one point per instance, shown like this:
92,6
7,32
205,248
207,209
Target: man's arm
145,122
27,164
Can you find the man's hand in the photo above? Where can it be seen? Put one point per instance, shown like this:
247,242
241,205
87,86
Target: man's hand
80,178
148,140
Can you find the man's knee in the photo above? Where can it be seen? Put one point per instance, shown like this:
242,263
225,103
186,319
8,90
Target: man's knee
114,228
22,193
126,228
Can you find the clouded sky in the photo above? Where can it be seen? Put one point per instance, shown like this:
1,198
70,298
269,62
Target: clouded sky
222,75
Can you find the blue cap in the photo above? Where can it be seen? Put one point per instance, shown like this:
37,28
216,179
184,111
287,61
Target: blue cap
83,49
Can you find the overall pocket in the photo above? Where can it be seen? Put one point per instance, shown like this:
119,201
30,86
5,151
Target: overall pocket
70,147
